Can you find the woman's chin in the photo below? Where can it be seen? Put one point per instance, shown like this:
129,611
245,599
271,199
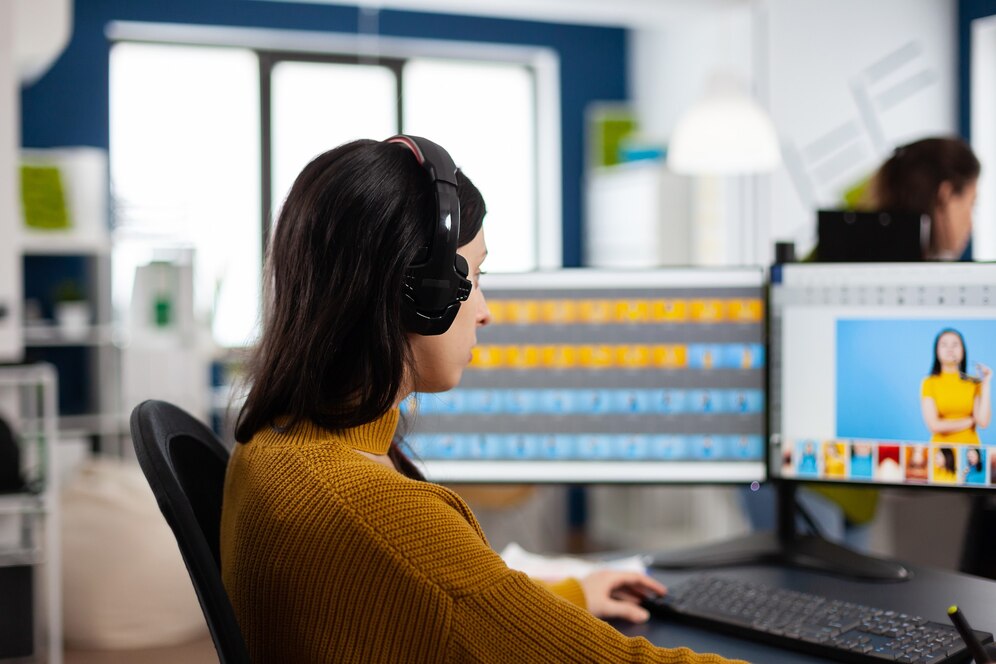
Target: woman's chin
442,383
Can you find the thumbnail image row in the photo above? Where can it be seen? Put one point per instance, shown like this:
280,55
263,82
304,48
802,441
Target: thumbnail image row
561,401
618,356
613,311
890,462
587,447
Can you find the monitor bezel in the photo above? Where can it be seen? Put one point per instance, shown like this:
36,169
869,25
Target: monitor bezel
884,270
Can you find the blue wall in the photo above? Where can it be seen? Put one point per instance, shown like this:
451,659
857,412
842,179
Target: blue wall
69,106
968,11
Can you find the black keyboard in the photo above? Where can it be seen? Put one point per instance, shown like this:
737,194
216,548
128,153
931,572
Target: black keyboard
842,631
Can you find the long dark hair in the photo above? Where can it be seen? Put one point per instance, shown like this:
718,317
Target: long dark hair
949,459
935,369
909,180
333,350
977,466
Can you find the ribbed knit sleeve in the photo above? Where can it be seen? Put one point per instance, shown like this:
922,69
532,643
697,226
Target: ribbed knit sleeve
515,621
569,589
330,557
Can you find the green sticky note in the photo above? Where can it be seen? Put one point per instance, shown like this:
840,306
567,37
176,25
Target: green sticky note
608,126
43,198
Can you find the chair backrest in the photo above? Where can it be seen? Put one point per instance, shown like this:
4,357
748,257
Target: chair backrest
185,463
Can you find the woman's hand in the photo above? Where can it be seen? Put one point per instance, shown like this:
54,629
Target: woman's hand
612,594
984,372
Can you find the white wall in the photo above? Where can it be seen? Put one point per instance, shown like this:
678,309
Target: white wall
810,62
670,63
984,133
822,58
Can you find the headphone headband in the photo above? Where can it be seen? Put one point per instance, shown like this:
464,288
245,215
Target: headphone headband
436,283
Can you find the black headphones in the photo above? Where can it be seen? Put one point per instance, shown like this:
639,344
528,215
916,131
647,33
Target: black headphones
436,283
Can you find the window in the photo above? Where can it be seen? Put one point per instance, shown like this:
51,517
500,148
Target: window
488,112
316,106
185,157
205,138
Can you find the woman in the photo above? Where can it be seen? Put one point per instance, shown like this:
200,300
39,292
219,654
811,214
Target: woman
936,177
953,403
945,468
975,467
333,546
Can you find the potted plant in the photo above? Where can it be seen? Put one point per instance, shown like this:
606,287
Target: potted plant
72,310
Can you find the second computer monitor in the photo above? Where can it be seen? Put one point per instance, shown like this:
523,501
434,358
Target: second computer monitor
881,374
606,376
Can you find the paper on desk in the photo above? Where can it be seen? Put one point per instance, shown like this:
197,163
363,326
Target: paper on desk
549,568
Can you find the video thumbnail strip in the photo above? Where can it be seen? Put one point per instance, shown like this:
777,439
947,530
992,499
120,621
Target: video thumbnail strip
618,356
904,462
552,402
587,447
564,311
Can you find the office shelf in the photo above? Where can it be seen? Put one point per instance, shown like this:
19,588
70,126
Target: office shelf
18,557
63,244
50,335
29,520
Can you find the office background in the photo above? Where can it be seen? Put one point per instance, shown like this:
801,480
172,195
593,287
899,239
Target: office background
812,64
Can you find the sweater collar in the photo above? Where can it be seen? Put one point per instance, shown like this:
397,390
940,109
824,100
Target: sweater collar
373,437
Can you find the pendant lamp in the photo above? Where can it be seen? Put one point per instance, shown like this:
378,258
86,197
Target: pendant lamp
725,132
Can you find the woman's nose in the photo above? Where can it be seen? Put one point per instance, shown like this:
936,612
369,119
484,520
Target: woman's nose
484,318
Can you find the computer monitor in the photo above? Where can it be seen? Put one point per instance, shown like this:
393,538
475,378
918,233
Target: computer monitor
851,352
593,376
846,236
877,374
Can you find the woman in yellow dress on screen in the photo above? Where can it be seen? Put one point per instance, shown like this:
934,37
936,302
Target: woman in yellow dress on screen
954,404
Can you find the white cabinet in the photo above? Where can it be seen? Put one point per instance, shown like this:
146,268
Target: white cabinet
30,580
638,215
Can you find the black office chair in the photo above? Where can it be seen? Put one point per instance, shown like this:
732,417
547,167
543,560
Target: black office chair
184,463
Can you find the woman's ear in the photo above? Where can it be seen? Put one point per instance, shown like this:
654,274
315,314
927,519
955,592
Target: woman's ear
944,193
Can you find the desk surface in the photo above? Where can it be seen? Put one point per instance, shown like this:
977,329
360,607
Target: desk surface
928,594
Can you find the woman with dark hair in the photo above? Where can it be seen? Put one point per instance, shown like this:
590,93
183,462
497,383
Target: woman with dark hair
937,177
953,403
333,546
975,467
945,469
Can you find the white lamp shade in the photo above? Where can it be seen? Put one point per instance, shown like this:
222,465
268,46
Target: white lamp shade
725,132
43,31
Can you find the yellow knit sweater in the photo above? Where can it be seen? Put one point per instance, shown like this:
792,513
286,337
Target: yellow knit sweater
331,557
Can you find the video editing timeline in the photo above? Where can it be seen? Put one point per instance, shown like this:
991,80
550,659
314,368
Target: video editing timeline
597,376
858,356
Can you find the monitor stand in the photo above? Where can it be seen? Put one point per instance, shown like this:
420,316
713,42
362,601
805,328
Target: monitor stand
784,547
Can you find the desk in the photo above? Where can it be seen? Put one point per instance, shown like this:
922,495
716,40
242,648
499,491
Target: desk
928,594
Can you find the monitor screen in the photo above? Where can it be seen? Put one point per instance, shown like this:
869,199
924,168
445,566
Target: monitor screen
605,377
880,374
